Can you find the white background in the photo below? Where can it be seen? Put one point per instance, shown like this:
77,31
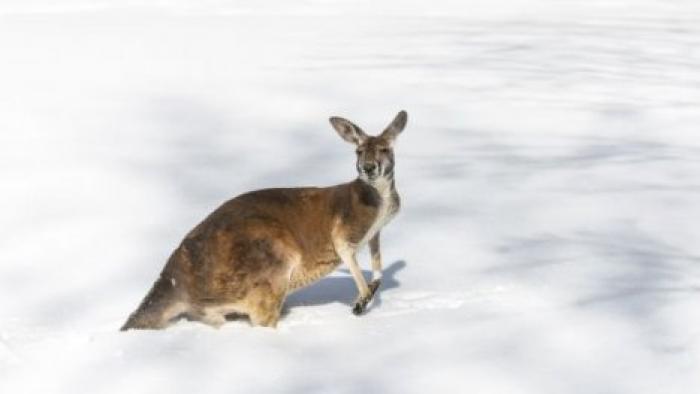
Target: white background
549,240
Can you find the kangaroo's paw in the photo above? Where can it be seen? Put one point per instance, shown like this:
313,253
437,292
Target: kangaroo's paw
361,303
373,286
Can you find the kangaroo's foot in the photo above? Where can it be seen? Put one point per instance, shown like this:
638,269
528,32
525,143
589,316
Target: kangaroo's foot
213,319
265,303
361,303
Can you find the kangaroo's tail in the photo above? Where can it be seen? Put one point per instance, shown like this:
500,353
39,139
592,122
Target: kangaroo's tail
157,308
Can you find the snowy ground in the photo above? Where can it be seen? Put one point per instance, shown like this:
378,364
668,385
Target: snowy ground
550,175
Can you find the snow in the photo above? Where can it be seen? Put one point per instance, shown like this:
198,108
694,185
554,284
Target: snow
548,238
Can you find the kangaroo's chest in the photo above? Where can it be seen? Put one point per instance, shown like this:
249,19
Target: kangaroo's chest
388,208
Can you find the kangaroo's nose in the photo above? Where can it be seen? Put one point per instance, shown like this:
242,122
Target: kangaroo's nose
369,167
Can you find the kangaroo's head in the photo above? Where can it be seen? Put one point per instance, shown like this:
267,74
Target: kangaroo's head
375,155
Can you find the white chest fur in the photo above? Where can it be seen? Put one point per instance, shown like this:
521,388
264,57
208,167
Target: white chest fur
387,208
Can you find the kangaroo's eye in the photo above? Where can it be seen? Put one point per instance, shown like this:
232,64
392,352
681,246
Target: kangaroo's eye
359,151
384,150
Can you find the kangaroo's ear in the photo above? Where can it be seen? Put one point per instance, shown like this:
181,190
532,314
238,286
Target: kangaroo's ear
348,130
395,127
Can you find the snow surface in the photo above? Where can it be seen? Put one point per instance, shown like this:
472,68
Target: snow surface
548,241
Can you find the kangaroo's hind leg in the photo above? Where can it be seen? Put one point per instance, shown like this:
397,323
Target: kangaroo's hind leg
255,279
264,302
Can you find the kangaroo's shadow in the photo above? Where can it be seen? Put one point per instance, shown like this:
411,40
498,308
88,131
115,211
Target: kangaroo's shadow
342,289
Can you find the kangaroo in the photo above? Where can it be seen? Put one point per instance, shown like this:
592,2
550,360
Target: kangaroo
248,254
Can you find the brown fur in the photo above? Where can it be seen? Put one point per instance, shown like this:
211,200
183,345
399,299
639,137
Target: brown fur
250,252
